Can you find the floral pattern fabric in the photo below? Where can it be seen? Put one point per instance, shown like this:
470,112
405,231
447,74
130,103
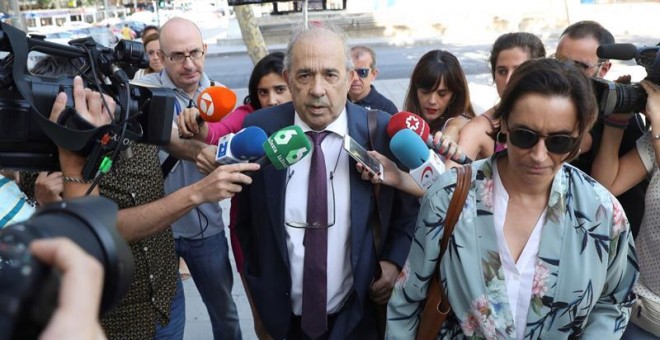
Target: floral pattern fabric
585,268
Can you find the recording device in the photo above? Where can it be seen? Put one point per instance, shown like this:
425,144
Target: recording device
28,137
214,103
626,98
285,147
29,290
406,120
242,147
424,164
359,154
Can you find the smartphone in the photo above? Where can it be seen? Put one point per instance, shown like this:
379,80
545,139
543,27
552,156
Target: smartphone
359,154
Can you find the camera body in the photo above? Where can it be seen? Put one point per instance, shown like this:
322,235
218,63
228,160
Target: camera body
29,289
625,98
29,140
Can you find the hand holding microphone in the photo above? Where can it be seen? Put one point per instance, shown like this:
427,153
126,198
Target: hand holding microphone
415,123
424,164
213,104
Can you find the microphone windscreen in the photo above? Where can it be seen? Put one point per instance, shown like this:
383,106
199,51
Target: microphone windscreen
215,102
287,146
247,144
407,120
409,149
617,51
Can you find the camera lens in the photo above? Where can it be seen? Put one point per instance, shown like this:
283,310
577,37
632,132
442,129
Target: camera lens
29,289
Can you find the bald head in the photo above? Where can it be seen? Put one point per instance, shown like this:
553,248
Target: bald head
182,53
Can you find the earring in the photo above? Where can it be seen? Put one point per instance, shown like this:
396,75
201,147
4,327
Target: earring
500,137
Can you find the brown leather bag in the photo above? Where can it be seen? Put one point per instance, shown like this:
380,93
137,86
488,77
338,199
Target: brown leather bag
437,306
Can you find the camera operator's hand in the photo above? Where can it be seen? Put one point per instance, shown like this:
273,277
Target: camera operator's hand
652,109
88,105
48,188
206,159
76,316
224,182
187,121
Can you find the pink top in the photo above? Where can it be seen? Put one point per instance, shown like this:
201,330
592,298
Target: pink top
230,124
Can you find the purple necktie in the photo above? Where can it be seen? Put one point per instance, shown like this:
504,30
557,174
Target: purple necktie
314,300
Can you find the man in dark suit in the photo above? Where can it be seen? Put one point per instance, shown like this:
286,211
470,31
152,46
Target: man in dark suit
274,219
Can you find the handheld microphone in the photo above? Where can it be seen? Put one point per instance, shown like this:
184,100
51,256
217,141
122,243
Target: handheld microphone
243,146
410,121
285,147
214,103
424,164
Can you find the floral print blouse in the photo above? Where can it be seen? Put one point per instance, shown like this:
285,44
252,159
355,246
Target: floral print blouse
585,268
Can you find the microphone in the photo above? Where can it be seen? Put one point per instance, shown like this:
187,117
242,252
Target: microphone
410,121
241,147
424,164
617,51
214,103
285,147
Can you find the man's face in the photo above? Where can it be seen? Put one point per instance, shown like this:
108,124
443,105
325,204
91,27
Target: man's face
318,79
363,76
583,52
183,54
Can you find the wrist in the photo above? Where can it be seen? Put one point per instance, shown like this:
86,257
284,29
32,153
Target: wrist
615,123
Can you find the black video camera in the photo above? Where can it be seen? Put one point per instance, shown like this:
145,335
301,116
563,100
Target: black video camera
626,98
29,289
28,138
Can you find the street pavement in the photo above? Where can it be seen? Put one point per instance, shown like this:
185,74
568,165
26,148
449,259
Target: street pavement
483,96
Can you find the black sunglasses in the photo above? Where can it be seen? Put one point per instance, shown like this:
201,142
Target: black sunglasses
526,139
362,72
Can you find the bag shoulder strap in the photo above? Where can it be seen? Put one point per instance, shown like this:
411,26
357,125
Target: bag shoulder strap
463,181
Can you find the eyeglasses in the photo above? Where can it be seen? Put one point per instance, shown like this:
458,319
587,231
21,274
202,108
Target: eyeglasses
179,57
555,143
315,225
362,72
580,65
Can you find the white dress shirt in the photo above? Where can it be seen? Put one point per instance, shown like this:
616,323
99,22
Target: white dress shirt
339,272
519,276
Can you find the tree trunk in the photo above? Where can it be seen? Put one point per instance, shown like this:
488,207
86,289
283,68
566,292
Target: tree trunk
254,41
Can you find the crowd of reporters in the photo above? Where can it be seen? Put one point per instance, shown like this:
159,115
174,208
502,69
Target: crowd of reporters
547,239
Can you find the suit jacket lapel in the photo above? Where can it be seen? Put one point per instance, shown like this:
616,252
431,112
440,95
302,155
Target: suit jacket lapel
274,186
361,190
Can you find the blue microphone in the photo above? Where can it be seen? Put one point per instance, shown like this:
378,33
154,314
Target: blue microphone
424,164
241,147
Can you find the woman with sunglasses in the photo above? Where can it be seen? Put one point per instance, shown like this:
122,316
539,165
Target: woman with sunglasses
540,250
619,175
439,93
478,138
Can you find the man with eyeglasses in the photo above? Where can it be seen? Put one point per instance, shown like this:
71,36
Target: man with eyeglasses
362,92
199,235
308,231
579,43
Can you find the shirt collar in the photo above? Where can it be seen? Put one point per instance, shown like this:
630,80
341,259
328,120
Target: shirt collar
204,82
338,126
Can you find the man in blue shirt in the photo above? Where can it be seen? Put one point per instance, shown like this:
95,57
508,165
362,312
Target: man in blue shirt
362,92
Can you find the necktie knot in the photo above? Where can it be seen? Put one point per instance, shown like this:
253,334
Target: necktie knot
317,137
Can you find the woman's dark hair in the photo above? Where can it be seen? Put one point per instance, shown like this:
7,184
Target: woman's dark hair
552,78
527,42
271,63
431,69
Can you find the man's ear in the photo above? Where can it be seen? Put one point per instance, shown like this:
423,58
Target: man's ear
604,68
374,73
285,75
205,48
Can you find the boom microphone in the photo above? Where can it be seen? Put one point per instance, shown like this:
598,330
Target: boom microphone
424,164
285,147
617,51
410,121
214,103
241,147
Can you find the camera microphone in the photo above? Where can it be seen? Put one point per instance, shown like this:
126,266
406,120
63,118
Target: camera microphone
617,51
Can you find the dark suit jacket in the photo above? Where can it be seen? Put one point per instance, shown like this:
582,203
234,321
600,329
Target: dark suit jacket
260,228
